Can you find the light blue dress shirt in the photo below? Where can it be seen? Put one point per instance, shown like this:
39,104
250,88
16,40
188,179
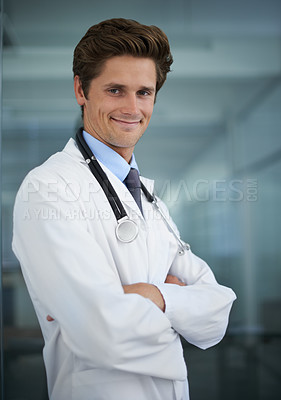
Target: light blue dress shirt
108,157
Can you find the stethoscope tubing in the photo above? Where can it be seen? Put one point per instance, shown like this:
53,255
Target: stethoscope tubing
101,177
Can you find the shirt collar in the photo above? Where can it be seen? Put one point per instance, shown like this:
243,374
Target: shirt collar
110,158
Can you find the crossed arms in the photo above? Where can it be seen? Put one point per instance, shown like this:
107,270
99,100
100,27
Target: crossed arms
148,291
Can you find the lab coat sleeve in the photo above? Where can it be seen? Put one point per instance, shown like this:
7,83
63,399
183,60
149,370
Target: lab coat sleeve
74,280
200,310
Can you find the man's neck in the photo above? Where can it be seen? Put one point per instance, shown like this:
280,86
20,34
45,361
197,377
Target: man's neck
125,152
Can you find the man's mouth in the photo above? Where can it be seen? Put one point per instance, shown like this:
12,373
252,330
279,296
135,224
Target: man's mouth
126,123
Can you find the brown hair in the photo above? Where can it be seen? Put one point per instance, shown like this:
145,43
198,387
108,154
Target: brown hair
116,37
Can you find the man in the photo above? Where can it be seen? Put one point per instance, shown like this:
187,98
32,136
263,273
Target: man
111,310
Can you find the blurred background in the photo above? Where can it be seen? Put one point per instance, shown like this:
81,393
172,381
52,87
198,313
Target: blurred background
213,146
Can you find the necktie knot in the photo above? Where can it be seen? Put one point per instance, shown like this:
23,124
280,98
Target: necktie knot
132,181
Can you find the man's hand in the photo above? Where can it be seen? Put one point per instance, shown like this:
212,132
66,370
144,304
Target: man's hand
152,292
173,279
148,291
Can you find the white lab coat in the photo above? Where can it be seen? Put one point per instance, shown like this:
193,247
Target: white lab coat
104,344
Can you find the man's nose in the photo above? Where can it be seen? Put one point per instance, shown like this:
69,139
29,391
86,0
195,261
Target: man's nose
130,105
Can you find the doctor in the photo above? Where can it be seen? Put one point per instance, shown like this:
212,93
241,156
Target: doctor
112,309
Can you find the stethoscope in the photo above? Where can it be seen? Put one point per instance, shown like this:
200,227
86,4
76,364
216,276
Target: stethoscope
126,229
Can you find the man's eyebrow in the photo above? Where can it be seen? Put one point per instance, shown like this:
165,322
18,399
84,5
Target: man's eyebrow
148,89
120,86
114,85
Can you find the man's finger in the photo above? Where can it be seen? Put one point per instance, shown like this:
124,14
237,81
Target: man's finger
173,279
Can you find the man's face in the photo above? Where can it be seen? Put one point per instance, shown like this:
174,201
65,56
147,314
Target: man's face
120,102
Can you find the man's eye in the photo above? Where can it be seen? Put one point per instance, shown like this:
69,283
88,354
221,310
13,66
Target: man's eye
114,91
143,93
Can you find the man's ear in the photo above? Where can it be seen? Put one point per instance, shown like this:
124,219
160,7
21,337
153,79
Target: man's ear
79,93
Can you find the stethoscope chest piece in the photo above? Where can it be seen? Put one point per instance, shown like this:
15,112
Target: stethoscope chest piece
126,230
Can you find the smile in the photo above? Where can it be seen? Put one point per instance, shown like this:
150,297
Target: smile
126,123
